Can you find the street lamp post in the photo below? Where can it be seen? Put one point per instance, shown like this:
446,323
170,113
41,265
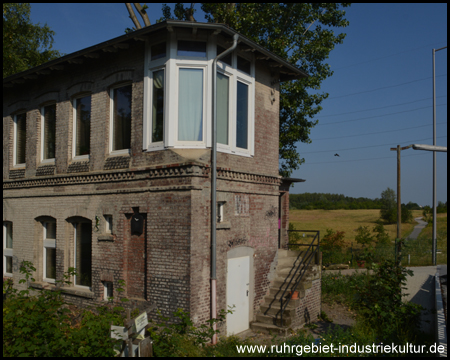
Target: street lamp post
434,239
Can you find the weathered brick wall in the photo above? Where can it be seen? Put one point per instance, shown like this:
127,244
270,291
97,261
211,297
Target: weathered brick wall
310,305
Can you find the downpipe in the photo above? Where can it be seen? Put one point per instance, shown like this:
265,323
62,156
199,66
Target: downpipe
214,186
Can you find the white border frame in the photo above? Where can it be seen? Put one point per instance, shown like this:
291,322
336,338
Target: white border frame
7,251
74,129
15,164
51,244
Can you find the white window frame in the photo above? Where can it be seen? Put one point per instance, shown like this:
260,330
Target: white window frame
7,252
173,95
74,137
51,160
148,106
220,212
15,164
249,80
108,224
75,256
48,244
111,120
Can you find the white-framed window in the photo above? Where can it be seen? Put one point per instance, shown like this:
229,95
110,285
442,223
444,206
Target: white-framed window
83,254
20,139
108,290
49,258
220,213
191,106
108,224
81,127
235,94
186,113
7,248
48,133
120,119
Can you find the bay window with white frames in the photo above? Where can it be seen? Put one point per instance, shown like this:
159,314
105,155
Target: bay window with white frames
178,97
7,248
49,258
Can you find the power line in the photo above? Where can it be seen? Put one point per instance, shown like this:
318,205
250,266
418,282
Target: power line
378,132
376,116
370,146
379,158
387,56
383,107
384,87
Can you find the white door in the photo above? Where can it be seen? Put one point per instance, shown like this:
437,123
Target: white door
238,280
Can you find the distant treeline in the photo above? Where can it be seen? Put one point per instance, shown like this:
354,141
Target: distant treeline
310,201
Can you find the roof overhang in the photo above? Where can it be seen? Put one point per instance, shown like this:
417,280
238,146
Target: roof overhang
287,182
286,70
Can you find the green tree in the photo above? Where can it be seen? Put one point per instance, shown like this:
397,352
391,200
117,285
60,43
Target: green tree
388,210
25,45
285,29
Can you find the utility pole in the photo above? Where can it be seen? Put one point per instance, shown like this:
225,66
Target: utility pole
399,199
399,190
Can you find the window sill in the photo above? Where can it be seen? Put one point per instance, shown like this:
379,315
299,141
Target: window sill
106,237
19,166
223,225
76,291
47,162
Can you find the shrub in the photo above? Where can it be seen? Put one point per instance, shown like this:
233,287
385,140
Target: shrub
381,306
38,323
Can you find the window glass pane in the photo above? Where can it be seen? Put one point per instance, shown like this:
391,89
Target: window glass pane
50,230
190,105
83,254
158,106
21,137
227,59
9,264
50,266
9,236
222,108
49,131
83,126
243,65
122,118
158,51
242,116
191,48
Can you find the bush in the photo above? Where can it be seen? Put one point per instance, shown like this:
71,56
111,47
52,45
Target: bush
38,323
381,307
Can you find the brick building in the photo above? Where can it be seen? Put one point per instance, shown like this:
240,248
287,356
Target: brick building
106,168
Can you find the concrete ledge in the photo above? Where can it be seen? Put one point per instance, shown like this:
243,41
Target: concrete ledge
85,293
441,328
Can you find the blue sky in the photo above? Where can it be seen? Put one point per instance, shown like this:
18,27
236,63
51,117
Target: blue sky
380,95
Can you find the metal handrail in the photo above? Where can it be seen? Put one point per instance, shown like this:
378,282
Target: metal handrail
301,274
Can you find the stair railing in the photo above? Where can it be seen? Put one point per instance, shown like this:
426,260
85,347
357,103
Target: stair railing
302,266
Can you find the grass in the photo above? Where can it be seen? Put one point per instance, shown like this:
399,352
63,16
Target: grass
345,220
